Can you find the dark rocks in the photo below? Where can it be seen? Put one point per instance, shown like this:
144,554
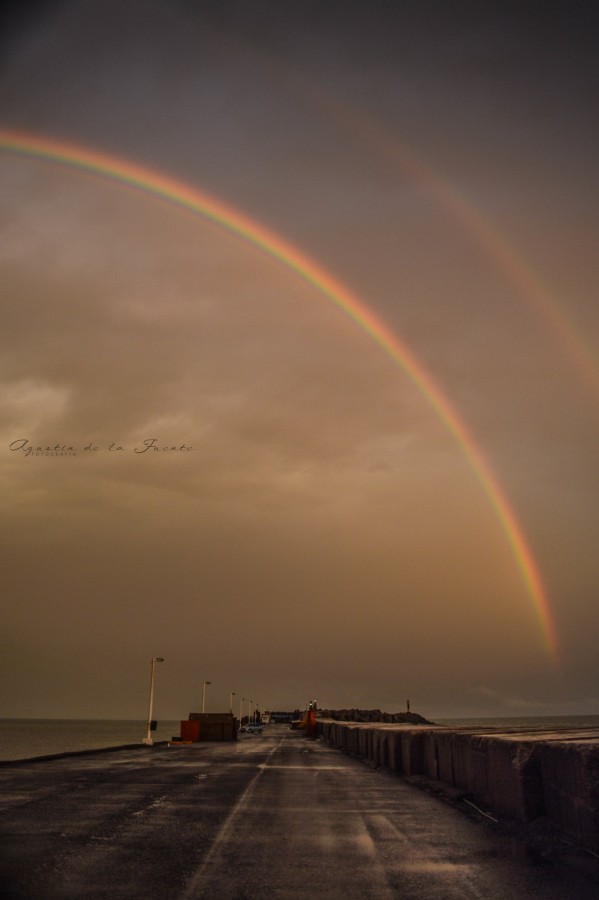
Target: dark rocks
372,715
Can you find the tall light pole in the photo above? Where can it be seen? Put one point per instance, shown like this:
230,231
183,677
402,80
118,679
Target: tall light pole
148,738
241,709
250,714
231,695
204,695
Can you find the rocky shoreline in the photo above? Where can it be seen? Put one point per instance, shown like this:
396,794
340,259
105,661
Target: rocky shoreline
372,715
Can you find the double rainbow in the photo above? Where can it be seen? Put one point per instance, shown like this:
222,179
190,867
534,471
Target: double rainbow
174,191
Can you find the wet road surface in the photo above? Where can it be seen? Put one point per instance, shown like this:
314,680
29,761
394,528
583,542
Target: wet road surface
274,815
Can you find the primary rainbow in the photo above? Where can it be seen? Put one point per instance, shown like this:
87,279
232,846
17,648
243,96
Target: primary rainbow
178,192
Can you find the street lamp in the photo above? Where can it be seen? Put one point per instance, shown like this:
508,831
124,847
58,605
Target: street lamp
148,738
250,714
241,709
204,695
232,694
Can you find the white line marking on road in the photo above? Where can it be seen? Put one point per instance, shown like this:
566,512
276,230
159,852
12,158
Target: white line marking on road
195,882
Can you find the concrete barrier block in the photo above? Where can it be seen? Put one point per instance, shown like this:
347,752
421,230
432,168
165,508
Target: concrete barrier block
325,730
570,773
352,734
370,743
380,754
373,746
430,758
361,741
514,780
395,751
365,742
385,750
444,748
470,764
412,752
338,736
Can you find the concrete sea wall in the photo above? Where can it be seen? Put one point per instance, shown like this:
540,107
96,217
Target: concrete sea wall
518,776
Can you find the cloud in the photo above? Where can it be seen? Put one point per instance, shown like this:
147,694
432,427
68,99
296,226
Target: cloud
327,532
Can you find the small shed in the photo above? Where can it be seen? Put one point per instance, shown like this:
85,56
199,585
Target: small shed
209,727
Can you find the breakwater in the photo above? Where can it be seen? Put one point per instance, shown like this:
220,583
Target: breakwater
540,775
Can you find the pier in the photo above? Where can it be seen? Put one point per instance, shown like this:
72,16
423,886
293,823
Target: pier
272,815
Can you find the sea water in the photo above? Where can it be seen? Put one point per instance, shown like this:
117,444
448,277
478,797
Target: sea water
26,738
524,723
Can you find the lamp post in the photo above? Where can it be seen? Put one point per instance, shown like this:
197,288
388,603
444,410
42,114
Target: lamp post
241,709
204,695
250,714
148,738
231,695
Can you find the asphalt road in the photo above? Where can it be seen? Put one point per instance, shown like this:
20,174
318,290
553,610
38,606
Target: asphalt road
274,815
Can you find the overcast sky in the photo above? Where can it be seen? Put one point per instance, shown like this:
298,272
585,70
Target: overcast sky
326,536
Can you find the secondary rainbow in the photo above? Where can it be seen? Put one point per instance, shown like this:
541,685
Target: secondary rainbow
479,226
510,264
174,191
